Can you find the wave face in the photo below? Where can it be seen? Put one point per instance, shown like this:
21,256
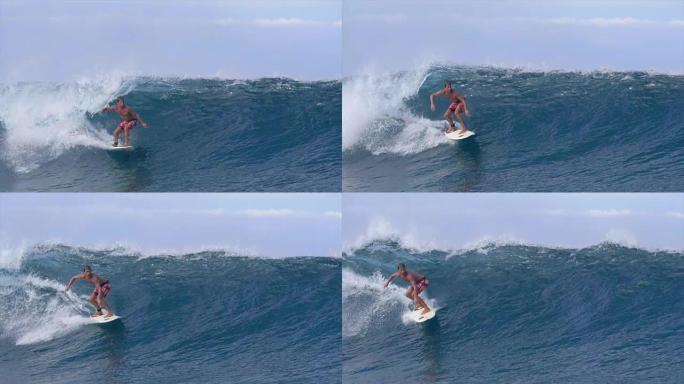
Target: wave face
206,135
204,317
536,131
516,314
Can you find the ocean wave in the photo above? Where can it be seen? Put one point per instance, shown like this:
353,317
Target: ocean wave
574,131
199,316
598,306
204,135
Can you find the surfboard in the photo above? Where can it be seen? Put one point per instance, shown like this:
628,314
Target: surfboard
419,317
459,136
104,320
121,148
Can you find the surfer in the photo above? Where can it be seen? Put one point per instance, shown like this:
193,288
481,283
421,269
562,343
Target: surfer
129,117
418,284
102,288
457,107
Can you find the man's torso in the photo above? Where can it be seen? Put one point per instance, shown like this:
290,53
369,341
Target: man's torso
453,95
94,280
413,275
126,113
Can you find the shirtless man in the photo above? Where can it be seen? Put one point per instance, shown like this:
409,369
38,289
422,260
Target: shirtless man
418,284
129,117
102,288
457,107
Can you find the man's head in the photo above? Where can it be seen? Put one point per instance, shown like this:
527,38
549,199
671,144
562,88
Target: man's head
401,268
447,84
87,270
120,102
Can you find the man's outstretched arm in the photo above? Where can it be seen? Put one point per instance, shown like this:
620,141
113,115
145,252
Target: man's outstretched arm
392,277
137,116
72,280
432,99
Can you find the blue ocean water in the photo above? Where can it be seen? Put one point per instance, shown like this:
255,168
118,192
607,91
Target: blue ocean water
205,317
516,314
271,134
536,131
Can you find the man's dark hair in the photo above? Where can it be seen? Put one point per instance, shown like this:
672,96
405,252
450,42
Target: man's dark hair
87,268
120,98
401,266
447,82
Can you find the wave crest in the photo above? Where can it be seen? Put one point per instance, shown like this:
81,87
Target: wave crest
377,118
41,121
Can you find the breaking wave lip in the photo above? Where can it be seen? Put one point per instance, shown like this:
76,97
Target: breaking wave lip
482,245
395,240
11,257
519,68
375,116
38,310
41,121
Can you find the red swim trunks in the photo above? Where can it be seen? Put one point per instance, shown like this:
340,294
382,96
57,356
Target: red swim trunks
455,105
128,124
103,289
422,285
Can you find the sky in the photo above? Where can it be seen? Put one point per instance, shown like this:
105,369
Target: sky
57,40
391,35
259,224
285,224
452,221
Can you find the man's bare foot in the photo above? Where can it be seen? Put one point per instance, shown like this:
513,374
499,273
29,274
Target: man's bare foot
462,131
116,144
96,314
425,310
109,315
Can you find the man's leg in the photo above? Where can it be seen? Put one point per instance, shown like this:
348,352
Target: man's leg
448,116
420,303
103,304
93,301
117,132
459,116
126,143
409,293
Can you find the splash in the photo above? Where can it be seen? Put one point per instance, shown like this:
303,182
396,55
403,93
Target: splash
376,117
35,309
42,121
365,302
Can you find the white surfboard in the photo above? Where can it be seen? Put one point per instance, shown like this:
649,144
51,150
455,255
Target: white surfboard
456,135
121,148
419,317
103,320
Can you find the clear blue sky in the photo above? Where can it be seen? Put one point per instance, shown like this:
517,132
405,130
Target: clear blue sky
457,221
390,35
63,40
273,225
